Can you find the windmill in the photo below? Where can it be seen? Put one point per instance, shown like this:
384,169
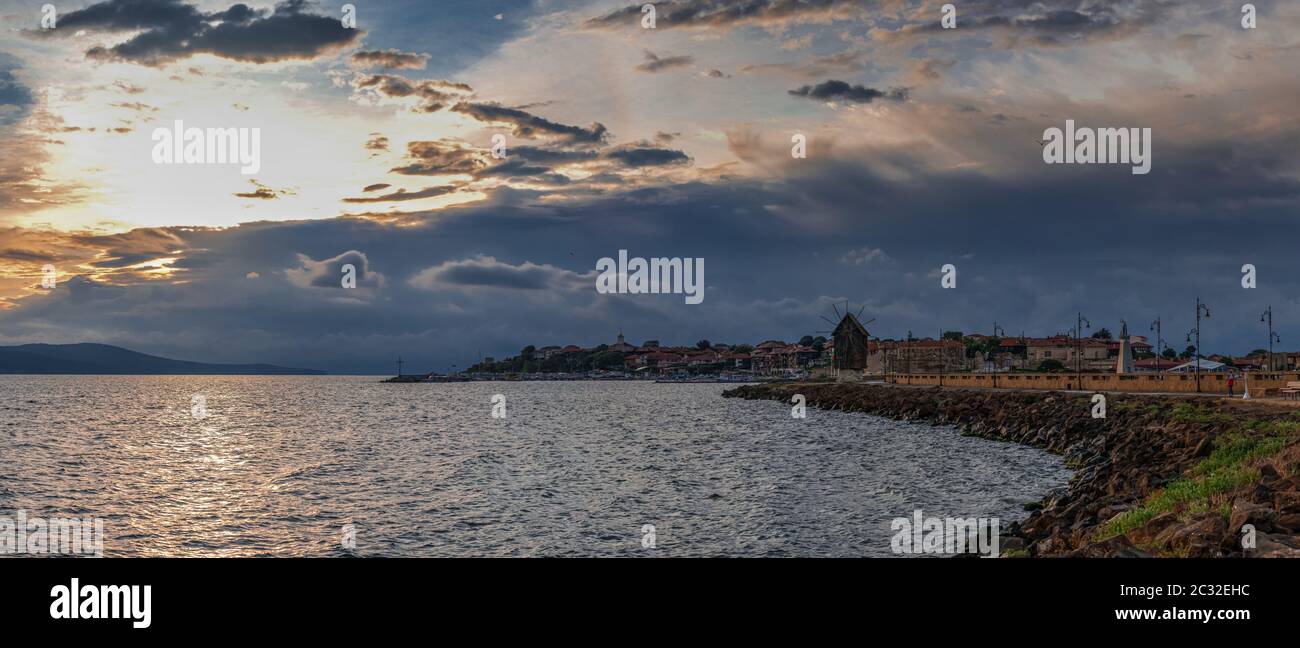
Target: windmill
851,339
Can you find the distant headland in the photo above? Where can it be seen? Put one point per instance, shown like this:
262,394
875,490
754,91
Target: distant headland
106,359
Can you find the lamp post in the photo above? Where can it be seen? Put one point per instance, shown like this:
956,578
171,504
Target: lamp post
1268,316
884,357
1079,323
996,329
1196,357
1024,344
1155,326
943,364
907,350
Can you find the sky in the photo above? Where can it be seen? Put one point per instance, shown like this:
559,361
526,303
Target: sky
924,149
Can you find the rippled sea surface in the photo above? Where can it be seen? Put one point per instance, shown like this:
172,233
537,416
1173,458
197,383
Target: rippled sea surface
279,465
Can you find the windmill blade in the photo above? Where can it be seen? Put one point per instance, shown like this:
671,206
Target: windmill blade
827,321
835,307
869,321
859,315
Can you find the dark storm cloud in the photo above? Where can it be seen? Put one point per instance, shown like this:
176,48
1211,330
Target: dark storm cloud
240,14
402,195
1046,23
536,165
655,63
391,59
434,94
136,15
530,126
329,273
724,13
435,158
15,98
833,90
647,157
124,261
18,254
517,167
169,30
552,156
134,247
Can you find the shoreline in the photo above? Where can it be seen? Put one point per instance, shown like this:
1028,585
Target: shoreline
1158,476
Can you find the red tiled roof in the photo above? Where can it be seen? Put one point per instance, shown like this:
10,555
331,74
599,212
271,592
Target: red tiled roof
1159,363
919,344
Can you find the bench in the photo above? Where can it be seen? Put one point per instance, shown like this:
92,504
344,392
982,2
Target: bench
1291,391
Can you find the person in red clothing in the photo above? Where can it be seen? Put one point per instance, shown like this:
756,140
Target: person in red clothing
1232,380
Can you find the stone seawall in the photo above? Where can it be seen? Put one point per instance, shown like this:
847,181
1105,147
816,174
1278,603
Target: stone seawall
1262,384
1157,476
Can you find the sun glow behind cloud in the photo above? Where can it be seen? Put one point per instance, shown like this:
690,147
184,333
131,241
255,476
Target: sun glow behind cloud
311,150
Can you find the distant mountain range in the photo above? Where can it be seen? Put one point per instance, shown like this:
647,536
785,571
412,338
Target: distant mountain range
106,359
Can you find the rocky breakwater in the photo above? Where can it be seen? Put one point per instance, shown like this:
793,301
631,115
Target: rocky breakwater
1157,476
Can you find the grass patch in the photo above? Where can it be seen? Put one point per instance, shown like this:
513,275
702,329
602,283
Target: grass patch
1280,427
1228,468
1193,413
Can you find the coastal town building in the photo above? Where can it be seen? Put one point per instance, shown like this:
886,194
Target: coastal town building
776,357
621,346
1150,365
916,356
1090,353
851,353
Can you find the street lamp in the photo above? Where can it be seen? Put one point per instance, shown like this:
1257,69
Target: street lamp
1155,326
1079,323
1197,356
1268,316
996,330
908,356
943,364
